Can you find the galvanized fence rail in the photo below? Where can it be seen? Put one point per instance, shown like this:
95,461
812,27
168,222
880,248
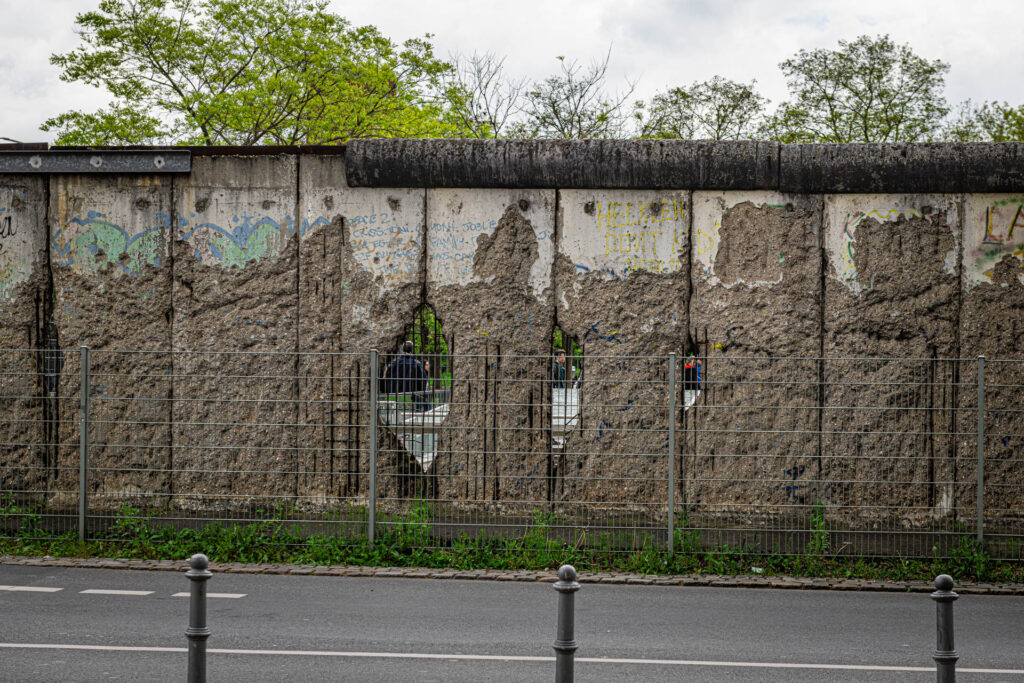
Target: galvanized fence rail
801,456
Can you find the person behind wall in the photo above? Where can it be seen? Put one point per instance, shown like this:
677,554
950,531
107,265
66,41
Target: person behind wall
692,374
405,374
558,370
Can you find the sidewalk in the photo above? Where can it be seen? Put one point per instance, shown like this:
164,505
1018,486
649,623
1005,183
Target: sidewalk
548,576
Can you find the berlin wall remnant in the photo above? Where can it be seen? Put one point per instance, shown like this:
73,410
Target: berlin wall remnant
112,291
360,281
622,290
755,315
992,325
29,462
261,262
891,290
235,303
489,258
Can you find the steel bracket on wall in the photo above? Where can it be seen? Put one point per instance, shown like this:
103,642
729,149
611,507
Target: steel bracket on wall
110,161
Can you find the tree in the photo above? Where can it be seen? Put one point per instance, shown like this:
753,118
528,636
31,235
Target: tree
245,72
869,90
718,109
481,102
989,122
574,104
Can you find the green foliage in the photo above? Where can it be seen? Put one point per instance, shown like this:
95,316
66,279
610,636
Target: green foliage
868,90
819,543
989,122
717,109
245,72
409,540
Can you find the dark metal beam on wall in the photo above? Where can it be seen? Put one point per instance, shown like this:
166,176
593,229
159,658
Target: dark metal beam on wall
96,161
688,164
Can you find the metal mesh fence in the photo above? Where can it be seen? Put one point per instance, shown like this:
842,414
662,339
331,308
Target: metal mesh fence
818,456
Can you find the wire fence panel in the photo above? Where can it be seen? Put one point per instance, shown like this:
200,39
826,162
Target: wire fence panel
39,405
1003,448
816,456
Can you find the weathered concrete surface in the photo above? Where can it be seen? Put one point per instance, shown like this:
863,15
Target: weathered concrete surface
892,291
563,164
622,287
109,255
756,297
361,278
992,324
489,259
28,430
896,168
235,304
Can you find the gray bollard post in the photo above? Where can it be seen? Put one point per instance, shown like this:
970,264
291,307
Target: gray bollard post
565,642
945,656
197,632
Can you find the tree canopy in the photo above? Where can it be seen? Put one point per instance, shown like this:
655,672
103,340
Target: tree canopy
248,72
717,109
868,90
245,72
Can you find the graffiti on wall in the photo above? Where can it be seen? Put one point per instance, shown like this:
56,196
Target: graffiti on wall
13,267
458,218
845,213
629,232
93,243
997,229
247,238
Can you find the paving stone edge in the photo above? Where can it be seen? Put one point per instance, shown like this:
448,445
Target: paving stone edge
543,576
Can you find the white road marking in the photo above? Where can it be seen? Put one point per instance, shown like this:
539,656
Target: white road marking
110,591
508,658
30,589
212,595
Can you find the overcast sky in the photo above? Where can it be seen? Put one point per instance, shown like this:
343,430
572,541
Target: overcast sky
659,43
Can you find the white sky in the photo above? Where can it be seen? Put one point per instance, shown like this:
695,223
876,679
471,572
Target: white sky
660,43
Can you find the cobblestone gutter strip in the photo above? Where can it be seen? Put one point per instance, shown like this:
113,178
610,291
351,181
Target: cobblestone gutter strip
545,576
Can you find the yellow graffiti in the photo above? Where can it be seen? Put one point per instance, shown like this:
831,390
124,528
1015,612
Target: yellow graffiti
631,242
628,214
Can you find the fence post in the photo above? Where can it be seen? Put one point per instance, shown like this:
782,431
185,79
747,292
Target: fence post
981,450
83,445
565,640
671,452
945,656
197,632
371,521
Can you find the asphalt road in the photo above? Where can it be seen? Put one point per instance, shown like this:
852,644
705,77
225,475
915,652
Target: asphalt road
376,629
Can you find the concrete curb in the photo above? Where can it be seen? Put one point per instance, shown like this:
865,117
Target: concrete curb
543,576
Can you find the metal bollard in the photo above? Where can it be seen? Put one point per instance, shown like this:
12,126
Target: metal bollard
565,642
945,656
197,632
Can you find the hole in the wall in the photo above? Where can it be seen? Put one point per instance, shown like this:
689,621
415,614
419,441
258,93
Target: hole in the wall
394,203
566,386
202,204
415,383
524,205
267,204
588,208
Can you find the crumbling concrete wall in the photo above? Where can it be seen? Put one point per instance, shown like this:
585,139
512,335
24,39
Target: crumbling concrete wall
891,291
489,261
235,306
755,317
992,325
111,286
271,278
623,289
361,279
28,430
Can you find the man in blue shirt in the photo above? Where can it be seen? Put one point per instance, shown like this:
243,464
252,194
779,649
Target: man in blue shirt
405,375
